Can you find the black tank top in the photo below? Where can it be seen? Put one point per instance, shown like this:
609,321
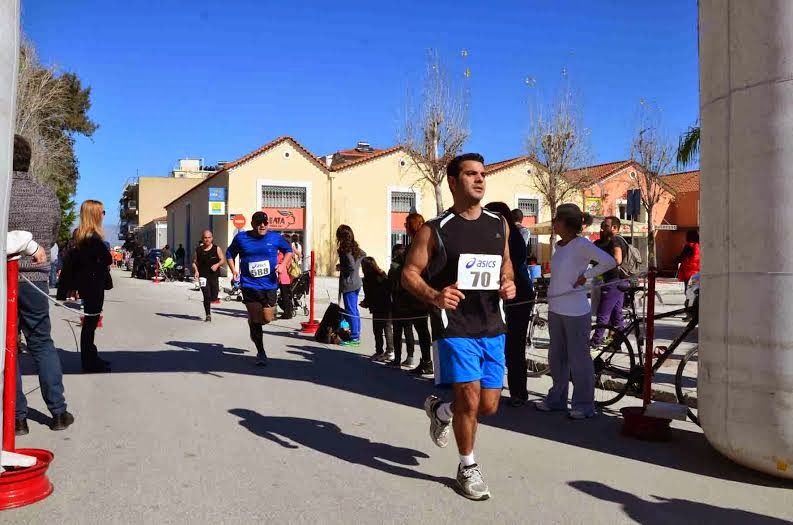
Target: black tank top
205,259
481,313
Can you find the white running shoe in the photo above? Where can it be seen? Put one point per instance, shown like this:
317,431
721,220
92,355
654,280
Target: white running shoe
471,483
439,430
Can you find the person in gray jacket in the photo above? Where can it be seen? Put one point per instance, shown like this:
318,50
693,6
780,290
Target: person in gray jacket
350,256
35,208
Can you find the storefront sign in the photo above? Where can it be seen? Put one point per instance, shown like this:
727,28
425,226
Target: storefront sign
286,218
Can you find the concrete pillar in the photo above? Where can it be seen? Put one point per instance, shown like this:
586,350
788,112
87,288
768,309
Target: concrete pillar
746,332
9,52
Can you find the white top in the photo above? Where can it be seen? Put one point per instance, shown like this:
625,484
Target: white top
20,242
568,263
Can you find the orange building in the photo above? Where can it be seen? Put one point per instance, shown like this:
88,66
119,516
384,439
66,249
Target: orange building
683,213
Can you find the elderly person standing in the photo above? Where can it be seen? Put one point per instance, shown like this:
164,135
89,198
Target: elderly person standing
35,208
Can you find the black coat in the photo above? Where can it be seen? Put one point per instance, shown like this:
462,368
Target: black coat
404,303
86,266
377,294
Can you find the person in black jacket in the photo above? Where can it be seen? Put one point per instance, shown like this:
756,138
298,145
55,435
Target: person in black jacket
89,273
377,298
408,313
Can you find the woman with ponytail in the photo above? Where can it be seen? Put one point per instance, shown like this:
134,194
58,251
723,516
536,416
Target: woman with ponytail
569,314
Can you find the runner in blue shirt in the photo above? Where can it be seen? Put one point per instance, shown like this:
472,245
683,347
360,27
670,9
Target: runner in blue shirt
258,273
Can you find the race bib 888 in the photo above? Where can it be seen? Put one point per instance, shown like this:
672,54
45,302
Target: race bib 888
479,272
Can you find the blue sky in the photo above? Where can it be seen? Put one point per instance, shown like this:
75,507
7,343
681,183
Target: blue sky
215,80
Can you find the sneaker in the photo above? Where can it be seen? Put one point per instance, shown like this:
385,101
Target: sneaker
351,342
21,427
410,361
208,319
517,402
215,301
423,369
543,406
61,421
439,430
471,483
382,356
394,363
377,355
578,414
261,359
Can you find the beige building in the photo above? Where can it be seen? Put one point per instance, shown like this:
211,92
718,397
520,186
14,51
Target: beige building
371,190
143,199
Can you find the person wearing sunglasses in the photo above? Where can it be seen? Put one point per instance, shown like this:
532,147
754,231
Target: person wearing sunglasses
258,272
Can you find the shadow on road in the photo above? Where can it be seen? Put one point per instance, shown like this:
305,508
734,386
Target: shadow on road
328,438
180,316
671,510
351,372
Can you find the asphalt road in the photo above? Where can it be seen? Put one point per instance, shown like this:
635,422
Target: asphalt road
187,430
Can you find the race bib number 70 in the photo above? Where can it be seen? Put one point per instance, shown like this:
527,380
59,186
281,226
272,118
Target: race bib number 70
479,272
259,268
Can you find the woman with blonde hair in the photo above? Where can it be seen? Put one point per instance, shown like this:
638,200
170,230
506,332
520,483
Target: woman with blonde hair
90,262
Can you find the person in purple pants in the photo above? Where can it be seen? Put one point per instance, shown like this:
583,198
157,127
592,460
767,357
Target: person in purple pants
612,293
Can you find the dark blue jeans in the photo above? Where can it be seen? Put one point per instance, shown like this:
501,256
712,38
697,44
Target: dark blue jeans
34,323
351,313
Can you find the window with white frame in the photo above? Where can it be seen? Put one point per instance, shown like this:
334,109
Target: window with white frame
403,201
529,207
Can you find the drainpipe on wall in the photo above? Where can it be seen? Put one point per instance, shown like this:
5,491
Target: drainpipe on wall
332,180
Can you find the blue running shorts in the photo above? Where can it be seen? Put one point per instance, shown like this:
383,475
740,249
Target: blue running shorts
464,359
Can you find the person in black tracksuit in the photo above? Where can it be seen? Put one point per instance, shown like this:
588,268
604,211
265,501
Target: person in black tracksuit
206,265
408,313
377,298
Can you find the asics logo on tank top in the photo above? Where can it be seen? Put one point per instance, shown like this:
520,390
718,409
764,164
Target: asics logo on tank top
468,253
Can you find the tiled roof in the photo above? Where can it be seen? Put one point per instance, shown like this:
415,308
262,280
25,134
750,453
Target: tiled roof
598,172
269,146
253,154
504,164
683,182
366,158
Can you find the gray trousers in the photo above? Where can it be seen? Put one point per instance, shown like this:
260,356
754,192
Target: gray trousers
569,354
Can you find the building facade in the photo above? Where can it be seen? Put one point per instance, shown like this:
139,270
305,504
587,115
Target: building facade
371,190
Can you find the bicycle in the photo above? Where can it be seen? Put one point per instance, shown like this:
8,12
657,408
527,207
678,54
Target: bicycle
539,339
620,369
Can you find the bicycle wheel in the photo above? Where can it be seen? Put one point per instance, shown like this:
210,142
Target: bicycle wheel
538,342
686,383
614,363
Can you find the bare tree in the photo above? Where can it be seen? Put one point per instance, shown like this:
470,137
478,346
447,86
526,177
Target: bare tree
558,141
434,133
656,154
41,106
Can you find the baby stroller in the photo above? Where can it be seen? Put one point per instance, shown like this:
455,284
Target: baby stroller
300,288
234,293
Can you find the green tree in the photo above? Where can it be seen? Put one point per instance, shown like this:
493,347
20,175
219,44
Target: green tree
688,147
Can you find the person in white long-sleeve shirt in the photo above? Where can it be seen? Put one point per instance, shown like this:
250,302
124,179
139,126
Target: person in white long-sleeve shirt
20,243
569,314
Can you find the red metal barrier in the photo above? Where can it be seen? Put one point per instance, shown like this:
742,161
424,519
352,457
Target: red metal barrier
312,325
648,347
10,374
19,486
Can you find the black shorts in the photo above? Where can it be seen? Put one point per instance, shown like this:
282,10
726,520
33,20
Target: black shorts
267,298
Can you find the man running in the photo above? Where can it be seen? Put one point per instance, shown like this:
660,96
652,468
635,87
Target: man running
258,272
207,261
465,253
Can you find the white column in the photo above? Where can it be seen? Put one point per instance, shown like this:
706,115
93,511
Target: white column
746,331
9,51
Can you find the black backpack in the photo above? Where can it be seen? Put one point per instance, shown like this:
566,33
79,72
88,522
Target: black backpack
330,322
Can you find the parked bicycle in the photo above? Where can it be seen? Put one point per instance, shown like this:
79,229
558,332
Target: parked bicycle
619,368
